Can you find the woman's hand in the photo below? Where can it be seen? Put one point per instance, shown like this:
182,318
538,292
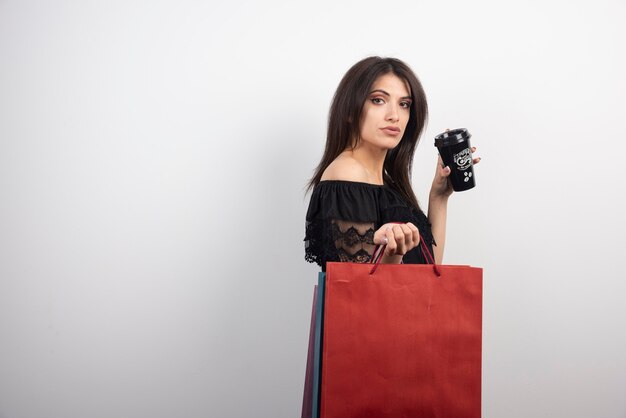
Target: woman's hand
400,238
442,187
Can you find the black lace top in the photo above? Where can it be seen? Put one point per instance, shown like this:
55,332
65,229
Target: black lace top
343,216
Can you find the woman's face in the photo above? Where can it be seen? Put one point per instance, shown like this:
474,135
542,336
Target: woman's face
385,112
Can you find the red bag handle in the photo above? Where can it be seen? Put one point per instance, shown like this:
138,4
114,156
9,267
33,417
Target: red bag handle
380,249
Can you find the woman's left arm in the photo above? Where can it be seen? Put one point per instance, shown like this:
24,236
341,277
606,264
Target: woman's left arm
438,206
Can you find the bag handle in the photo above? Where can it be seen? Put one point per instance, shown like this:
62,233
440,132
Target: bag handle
379,250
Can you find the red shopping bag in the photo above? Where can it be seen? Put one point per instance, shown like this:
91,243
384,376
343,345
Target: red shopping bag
401,341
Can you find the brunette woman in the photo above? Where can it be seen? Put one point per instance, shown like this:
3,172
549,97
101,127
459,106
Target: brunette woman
362,194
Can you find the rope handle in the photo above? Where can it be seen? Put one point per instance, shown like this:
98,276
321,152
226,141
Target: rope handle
379,250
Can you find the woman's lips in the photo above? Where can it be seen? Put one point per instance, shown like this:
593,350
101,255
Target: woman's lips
391,132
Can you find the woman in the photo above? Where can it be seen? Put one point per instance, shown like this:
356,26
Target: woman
362,194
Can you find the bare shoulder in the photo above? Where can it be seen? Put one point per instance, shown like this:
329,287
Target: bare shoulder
345,168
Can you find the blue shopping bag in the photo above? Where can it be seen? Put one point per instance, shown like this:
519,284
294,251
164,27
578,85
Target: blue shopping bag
312,384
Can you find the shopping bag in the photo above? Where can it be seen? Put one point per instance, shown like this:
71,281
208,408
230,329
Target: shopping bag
307,398
312,382
401,341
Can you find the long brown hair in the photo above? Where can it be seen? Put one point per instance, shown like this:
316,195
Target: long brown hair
345,115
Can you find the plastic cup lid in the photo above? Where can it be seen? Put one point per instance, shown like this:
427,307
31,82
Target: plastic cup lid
452,137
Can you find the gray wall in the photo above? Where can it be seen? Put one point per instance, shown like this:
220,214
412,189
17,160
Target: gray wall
152,163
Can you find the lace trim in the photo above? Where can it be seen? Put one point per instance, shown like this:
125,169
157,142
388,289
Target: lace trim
361,256
317,247
351,237
325,241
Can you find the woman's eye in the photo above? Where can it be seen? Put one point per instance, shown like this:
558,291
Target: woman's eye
374,100
407,105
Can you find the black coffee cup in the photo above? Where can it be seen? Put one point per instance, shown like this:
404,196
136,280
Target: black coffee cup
456,153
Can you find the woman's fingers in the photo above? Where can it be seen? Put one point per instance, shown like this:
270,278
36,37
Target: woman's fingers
441,167
398,234
475,160
407,238
395,237
400,238
391,241
440,161
415,233
380,236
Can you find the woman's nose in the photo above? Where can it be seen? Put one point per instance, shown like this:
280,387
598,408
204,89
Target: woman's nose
392,114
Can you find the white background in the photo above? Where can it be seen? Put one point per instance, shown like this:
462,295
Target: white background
152,163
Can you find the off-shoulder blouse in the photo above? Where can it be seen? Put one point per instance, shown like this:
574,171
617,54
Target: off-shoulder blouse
343,216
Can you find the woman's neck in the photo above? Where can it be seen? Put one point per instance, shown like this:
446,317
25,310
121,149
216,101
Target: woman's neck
372,159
